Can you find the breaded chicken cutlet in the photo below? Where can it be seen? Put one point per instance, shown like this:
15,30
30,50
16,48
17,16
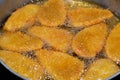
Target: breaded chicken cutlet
60,65
22,18
52,13
59,39
84,17
19,42
88,42
100,70
112,47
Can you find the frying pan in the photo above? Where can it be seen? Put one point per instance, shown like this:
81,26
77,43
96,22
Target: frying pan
8,6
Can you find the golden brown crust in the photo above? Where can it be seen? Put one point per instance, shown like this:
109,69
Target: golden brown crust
22,65
112,44
100,70
84,17
60,65
52,13
22,18
19,42
57,38
88,42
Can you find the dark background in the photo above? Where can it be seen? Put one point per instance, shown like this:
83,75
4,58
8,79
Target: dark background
7,75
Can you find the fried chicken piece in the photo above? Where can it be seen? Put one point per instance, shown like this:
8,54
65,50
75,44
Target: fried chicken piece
19,42
88,42
83,17
112,44
60,65
22,18
52,13
100,70
57,38
22,65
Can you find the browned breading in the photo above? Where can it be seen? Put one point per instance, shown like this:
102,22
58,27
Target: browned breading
19,42
84,17
22,65
88,42
22,18
60,65
100,70
52,13
112,44
57,38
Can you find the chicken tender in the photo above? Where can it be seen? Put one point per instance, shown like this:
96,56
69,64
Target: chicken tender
22,18
88,42
60,65
100,70
57,38
22,65
19,42
52,13
112,44
83,17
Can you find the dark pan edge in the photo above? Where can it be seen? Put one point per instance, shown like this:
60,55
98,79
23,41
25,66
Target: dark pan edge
8,68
